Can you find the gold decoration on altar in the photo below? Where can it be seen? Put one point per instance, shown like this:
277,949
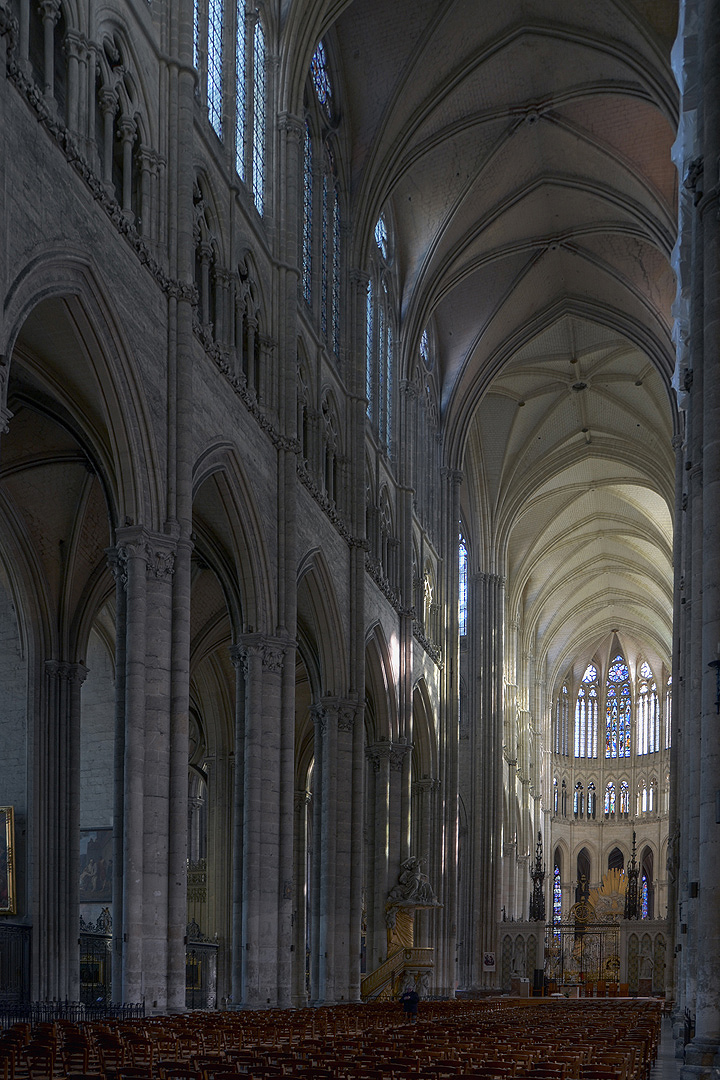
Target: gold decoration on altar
608,901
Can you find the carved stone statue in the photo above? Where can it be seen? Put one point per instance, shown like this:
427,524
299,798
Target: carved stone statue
413,886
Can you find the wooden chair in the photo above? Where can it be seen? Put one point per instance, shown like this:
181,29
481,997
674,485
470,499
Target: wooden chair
39,1061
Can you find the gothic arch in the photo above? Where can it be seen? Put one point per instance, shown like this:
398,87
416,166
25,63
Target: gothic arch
241,562
319,613
424,742
380,682
102,400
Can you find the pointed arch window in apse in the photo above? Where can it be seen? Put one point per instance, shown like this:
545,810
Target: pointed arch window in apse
562,722
618,710
240,91
259,105
648,712
644,905
462,586
557,895
609,799
307,217
215,65
321,78
586,715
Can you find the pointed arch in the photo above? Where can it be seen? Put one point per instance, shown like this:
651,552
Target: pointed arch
425,750
380,687
240,554
319,614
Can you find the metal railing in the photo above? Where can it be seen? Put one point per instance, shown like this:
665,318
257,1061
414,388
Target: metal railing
396,963
41,1012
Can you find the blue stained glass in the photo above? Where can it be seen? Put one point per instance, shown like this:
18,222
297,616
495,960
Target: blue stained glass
307,216
389,388
644,902
215,65
590,673
324,256
381,236
557,896
611,745
610,799
336,275
259,118
240,92
462,587
618,671
382,373
320,77
369,350
196,34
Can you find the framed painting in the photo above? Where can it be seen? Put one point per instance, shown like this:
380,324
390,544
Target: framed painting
7,861
96,846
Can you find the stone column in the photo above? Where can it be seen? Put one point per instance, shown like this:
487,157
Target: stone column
378,883
486,631
127,130
50,13
57,823
265,878
336,934
109,105
703,1054
299,989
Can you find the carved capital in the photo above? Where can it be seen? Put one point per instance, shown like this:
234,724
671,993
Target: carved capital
58,669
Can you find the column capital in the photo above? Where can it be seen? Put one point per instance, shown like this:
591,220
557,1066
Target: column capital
331,709
291,125
157,550
270,650
59,669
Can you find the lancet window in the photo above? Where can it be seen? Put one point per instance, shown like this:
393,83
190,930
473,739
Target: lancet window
586,715
557,891
462,585
240,80
380,341
618,710
647,712
562,722
609,798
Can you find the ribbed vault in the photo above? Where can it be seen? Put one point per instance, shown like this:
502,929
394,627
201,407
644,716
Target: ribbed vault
523,153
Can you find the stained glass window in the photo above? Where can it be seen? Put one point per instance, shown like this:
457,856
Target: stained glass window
369,350
648,713
240,91
578,800
320,77
618,710
562,721
624,797
389,383
196,34
381,236
335,289
668,713
307,216
259,105
556,796
591,800
557,895
586,715
462,586
215,65
610,798
644,904
324,255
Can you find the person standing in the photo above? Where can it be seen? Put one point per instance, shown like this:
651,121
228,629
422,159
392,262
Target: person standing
410,999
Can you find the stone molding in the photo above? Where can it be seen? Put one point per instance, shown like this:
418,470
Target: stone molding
61,670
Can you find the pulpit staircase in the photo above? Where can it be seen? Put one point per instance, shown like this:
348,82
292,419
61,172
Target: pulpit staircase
381,983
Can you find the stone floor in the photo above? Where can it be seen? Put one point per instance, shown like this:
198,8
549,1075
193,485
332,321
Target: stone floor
667,1066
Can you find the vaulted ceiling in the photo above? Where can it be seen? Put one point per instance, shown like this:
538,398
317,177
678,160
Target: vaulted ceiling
522,150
